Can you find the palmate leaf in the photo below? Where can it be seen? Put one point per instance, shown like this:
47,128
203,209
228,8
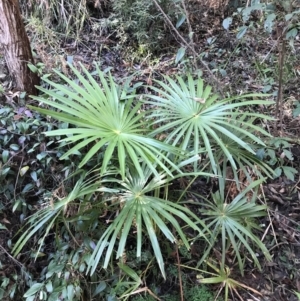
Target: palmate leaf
222,276
193,119
110,125
142,210
227,221
45,218
244,129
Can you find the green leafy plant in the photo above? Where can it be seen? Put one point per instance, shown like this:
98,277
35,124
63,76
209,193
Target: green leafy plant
279,155
1,90
143,206
29,176
297,295
111,120
101,117
191,292
38,68
8,287
248,163
270,15
109,128
199,292
60,278
233,222
222,276
48,216
194,121
25,157
69,16
142,23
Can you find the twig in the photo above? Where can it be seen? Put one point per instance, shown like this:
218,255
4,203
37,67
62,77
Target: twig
278,244
269,216
11,257
188,23
173,27
15,155
190,29
279,104
179,273
70,232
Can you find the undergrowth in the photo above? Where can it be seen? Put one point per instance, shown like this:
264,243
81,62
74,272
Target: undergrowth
97,176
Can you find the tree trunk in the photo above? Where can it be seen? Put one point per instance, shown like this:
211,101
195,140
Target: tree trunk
15,42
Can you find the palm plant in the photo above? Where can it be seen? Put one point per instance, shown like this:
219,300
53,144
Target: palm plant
142,206
246,161
107,120
193,120
43,220
222,276
232,221
101,118
297,295
111,121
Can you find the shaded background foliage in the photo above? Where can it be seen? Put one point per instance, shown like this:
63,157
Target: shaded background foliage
136,22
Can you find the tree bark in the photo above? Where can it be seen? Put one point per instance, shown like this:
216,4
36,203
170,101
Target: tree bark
17,51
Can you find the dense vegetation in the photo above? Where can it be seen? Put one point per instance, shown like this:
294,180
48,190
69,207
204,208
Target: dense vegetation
141,170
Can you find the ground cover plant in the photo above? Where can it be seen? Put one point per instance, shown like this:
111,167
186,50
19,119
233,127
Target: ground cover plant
135,167
146,175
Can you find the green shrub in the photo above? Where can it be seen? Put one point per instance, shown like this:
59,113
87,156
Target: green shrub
129,157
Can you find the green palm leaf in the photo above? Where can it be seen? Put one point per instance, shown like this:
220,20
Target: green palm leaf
104,121
245,130
193,119
45,218
143,210
227,220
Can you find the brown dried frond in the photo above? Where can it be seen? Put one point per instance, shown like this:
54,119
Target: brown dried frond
231,187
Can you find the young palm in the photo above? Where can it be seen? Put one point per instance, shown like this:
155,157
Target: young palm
143,208
221,275
44,219
245,161
105,119
191,119
233,223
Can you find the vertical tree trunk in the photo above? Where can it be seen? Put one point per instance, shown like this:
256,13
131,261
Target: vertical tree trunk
15,42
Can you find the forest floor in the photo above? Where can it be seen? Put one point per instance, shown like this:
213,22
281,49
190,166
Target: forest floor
240,66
